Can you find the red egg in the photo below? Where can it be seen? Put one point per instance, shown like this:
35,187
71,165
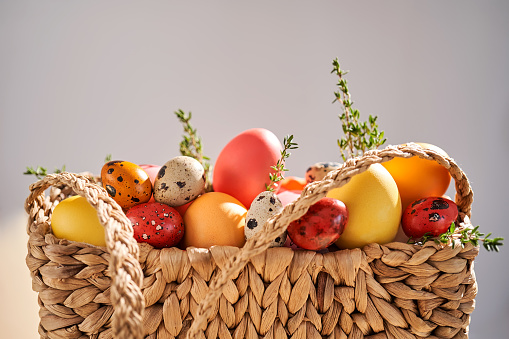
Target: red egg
127,183
243,167
321,226
433,216
156,224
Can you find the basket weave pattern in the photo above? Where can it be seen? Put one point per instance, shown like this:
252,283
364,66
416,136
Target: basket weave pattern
127,290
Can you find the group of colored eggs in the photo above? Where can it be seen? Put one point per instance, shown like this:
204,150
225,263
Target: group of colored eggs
168,206
152,203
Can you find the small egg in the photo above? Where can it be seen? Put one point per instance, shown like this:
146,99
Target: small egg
156,224
179,181
264,206
319,170
127,183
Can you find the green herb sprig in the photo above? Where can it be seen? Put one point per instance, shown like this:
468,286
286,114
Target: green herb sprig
192,146
279,168
359,136
465,236
40,172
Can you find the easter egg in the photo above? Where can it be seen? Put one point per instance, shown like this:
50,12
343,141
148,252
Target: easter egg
287,197
432,215
243,166
319,170
291,183
183,208
264,206
156,224
214,218
76,220
322,225
419,178
127,183
179,181
152,171
374,208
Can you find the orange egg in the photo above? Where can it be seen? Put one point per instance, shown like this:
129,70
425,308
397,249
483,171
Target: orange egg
127,183
291,183
214,218
243,167
419,178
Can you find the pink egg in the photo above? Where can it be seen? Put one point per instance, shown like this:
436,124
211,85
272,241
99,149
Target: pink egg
287,197
152,171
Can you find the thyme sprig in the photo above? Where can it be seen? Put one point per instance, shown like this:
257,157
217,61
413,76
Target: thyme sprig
465,236
40,172
192,146
359,136
279,168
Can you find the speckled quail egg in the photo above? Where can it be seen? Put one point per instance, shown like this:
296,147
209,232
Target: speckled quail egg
319,170
264,206
179,181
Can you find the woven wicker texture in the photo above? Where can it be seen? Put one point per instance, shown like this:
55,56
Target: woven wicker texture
381,291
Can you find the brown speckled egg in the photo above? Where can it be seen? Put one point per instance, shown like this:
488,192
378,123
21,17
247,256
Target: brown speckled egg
319,170
179,181
127,183
264,206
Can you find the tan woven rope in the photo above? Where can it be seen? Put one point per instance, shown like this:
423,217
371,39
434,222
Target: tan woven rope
124,266
310,195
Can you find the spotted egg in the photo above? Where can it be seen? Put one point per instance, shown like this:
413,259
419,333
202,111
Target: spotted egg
264,206
127,183
156,224
319,170
179,181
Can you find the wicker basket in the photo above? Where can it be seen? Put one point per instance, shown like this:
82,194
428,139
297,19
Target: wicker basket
127,290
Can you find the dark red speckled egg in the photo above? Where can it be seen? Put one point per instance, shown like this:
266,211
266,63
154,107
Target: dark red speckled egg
433,215
322,225
156,224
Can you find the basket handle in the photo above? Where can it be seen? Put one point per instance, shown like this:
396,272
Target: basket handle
124,267
310,195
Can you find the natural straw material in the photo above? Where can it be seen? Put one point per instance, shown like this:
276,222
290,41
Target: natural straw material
126,290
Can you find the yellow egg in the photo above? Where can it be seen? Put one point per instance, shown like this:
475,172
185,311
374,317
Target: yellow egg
374,208
214,218
76,220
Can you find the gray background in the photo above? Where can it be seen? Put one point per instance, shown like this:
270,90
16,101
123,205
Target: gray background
83,79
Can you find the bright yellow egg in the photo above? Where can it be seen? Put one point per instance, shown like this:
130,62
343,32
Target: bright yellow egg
374,208
76,220
214,218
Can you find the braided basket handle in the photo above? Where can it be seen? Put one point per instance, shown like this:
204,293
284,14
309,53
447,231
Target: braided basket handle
310,195
124,267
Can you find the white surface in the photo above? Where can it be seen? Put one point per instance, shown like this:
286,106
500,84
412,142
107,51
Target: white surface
83,79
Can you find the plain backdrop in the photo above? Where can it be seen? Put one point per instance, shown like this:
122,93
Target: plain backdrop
83,79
